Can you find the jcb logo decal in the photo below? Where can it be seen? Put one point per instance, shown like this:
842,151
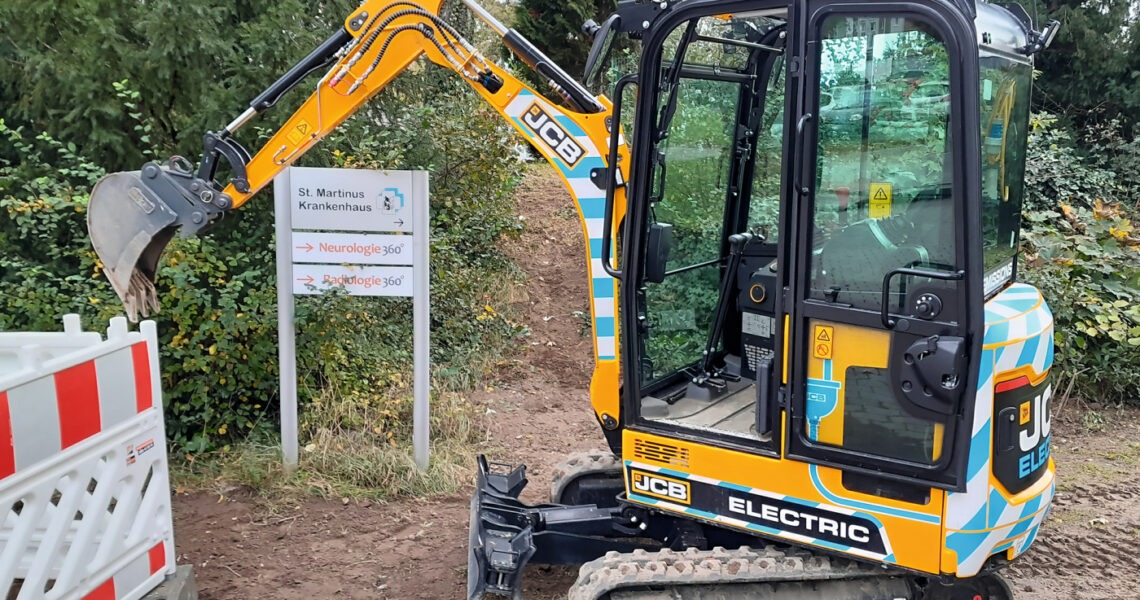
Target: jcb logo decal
550,132
659,486
1034,440
1022,432
1038,418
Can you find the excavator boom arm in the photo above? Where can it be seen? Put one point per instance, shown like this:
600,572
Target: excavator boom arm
381,39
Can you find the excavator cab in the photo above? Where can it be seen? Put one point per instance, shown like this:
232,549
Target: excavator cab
815,371
809,261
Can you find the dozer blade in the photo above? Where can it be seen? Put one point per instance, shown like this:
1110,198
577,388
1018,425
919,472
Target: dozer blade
506,534
133,215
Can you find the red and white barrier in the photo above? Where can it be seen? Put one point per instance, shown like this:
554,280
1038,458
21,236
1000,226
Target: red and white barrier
84,485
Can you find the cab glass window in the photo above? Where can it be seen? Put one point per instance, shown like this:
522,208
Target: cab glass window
1005,115
717,164
705,64
883,191
764,201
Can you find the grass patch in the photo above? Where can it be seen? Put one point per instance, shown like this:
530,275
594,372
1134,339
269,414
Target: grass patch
1129,455
344,456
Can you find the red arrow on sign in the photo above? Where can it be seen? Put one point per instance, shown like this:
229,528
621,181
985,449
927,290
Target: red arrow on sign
308,279
307,247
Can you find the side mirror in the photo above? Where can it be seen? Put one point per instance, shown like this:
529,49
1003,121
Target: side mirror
658,245
1050,33
1040,40
600,50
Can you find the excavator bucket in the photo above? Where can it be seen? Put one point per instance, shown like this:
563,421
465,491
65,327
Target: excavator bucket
133,215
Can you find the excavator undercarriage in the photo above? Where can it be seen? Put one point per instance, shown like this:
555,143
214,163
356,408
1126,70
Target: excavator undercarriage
629,553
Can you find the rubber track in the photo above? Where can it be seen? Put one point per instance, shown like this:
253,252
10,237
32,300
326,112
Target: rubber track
615,571
580,464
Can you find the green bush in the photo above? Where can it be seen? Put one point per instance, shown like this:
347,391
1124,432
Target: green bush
218,322
1057,171
195,64
47,265
1082,250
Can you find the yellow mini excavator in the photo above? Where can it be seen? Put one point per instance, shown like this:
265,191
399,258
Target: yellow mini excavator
828,382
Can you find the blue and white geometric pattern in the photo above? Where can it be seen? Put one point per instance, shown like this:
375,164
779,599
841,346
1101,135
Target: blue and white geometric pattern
982,521
591,201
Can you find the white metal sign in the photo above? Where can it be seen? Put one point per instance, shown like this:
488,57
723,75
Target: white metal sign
310,262
357,280
353,199
352,248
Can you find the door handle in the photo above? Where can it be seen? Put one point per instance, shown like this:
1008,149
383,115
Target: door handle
612,178
802,122
1006,425
801,127
884,306
764,412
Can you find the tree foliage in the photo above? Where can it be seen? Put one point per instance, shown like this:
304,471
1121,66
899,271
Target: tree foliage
556,29
1092,70
196,65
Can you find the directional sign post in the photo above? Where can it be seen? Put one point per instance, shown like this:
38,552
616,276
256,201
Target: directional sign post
351,206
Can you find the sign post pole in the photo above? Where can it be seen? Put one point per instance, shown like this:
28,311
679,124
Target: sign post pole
421,323
286,336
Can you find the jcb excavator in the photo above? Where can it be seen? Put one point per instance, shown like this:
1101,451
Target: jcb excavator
829,383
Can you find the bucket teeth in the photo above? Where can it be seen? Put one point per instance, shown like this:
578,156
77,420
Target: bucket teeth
140,299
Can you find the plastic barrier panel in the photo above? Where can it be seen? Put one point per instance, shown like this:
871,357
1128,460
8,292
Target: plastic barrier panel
84,484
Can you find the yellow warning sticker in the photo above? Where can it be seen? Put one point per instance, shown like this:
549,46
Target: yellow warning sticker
882,195
298,133
1026,411
821,344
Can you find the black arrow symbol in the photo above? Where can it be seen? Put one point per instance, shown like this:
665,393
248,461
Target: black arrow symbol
399,222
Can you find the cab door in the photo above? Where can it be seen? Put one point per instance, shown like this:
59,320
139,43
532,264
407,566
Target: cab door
885,308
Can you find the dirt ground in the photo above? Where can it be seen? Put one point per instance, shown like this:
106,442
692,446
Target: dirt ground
242,548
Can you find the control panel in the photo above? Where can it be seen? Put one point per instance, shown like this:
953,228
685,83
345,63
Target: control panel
758,285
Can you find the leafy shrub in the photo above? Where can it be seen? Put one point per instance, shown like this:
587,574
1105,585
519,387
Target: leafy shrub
365,343
1083,251
47,265
1112,151
219,310
1055,171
